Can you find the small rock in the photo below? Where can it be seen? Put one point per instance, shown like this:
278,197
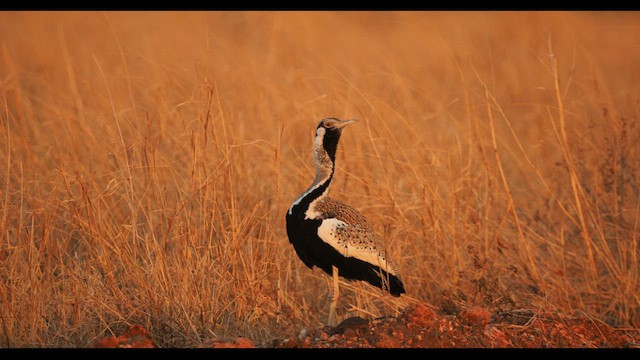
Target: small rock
355,323
350,333
230,343
289,344
476,317
135,337
420,314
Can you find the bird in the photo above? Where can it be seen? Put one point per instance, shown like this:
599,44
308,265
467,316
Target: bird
332,235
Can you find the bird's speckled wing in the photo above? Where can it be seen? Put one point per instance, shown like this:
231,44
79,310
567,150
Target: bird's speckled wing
351,234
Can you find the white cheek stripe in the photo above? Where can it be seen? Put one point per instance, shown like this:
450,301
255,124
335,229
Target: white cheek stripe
319,136
317,143
327,231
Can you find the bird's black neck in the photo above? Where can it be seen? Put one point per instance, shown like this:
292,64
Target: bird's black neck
325,147
317,190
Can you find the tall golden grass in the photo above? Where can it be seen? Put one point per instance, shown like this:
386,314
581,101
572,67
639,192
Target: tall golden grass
148,159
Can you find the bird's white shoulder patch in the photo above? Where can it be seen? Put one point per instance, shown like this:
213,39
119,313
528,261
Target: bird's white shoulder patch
336,233
328,232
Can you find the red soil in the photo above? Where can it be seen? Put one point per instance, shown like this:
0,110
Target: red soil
421,327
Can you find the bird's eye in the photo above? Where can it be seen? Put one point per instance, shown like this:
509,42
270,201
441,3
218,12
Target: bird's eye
328,124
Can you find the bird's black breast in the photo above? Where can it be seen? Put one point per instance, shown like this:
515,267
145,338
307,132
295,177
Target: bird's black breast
303,235
298,231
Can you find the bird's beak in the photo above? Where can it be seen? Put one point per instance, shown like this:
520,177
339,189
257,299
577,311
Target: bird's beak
344,123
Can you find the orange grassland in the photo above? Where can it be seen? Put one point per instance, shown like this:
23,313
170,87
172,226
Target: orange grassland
148,159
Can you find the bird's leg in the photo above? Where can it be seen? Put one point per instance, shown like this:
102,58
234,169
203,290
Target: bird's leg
335,294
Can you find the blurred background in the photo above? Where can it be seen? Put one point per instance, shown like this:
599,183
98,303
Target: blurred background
148,159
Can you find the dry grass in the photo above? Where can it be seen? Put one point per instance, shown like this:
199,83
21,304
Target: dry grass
148,160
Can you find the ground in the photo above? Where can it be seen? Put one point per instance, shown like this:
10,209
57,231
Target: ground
421,327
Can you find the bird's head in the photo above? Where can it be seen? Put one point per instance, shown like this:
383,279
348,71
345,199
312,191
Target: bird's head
328,134
334,125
